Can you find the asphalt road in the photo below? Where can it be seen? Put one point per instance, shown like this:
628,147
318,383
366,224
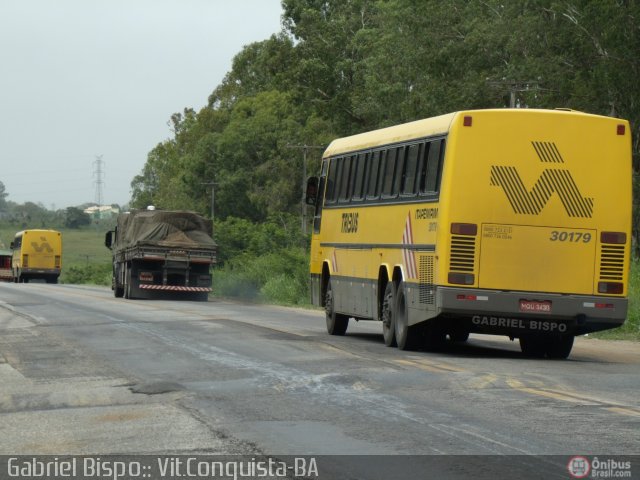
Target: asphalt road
84,373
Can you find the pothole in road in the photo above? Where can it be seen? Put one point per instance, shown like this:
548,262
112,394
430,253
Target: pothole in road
156,388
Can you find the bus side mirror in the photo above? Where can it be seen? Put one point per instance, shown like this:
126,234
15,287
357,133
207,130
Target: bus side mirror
11,245
312,191
108,239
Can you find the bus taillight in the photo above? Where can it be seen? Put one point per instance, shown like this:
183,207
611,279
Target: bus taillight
461,278
613,288
615,238
464,229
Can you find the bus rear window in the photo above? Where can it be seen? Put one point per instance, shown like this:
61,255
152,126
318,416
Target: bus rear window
431,167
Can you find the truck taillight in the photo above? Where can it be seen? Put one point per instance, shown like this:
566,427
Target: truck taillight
145,276
57,261
25,261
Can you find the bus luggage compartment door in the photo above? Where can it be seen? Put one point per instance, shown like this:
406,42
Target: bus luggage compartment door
537,259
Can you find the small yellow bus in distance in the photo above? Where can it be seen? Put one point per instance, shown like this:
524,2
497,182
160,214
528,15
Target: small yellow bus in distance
37,254
511,222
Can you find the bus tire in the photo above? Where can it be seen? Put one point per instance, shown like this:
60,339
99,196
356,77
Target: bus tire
458,336
435,336
406,337
559,347
388,317
337,323
532,346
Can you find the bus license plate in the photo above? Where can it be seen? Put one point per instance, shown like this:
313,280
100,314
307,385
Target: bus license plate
535,306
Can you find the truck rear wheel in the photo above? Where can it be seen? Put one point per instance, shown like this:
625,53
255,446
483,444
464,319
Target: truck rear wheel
127,282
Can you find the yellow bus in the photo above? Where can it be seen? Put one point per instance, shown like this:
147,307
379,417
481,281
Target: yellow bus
511,222
37,254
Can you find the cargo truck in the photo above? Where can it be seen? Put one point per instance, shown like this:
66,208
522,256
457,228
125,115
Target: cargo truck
162,254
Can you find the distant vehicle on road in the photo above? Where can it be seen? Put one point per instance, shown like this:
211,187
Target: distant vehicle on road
36,254
513,221
161,253
5,266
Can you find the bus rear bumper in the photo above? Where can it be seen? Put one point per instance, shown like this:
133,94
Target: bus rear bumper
523,312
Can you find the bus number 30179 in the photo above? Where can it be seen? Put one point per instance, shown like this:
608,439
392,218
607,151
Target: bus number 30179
557,236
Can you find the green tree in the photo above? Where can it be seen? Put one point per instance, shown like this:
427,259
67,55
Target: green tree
3,197
76,218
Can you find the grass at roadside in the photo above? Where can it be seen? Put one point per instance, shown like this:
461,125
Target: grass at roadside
631,328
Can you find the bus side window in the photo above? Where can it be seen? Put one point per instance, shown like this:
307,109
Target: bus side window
389,168
331,190
398,178
360,176
436,153
372,180
345,181
410,171
382,171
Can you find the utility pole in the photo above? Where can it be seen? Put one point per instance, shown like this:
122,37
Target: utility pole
98,172
303,204
213,197
514,87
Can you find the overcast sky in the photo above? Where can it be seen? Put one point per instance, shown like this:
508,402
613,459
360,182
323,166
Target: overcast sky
81,78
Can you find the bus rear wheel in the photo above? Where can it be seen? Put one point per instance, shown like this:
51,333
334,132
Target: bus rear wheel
337,323
407,337
532,346
388,317
559,347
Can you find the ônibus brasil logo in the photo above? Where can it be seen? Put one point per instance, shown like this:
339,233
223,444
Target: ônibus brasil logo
579,467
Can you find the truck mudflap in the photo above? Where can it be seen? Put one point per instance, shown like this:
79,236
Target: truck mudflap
175,288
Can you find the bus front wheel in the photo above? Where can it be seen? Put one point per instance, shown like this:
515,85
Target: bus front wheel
388,317
337,323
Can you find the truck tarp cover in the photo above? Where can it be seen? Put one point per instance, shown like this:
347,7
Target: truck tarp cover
164,229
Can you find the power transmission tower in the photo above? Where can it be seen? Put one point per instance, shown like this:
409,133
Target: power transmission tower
98,173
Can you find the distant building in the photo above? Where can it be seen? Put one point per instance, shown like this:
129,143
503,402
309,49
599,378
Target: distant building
102,211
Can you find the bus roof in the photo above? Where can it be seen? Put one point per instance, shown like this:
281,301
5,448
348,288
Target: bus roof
424,128
398,133
21,232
